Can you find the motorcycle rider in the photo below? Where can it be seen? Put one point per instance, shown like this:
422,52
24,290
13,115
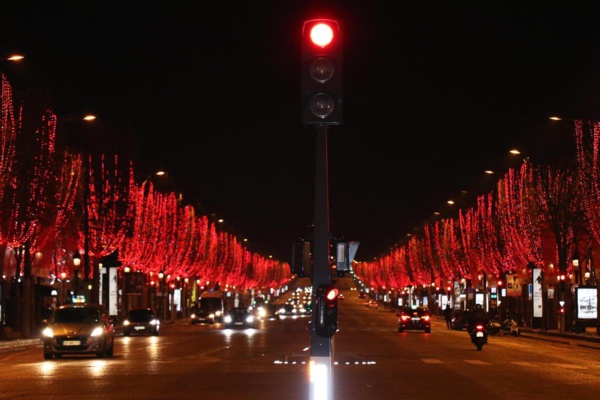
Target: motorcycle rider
478,316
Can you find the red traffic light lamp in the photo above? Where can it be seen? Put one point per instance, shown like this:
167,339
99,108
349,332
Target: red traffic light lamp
321,72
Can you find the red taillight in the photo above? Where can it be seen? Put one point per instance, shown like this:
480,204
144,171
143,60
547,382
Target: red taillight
404,317
479,327
425,317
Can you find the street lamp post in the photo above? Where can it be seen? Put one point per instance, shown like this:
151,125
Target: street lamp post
161,283
76,263
63,295
125,299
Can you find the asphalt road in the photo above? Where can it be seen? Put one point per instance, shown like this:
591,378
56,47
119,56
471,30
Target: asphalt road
371,360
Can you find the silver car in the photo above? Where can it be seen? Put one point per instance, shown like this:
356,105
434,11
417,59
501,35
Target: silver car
79,329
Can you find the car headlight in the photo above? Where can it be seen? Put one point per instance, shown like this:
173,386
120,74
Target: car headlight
48,332
218,313
227,318
262,312
98,331
212,315
250,319
193,316
126,322
155,322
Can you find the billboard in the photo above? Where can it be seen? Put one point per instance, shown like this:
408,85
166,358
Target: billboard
587,303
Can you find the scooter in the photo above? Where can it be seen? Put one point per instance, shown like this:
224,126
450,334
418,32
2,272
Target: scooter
508,327
479,336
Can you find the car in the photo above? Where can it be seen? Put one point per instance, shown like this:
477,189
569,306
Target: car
361,295
460,320
372,304
79,328
267,311
341,296
239,317
141,321
414,319
287,310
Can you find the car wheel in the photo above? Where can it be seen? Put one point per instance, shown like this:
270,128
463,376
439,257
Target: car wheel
427,330
102,352
47,356
110,352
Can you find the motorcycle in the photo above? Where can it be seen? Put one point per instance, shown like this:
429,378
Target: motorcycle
479,336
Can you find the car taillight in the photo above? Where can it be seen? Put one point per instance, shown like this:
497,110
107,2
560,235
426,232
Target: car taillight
425,317
479,327
404,317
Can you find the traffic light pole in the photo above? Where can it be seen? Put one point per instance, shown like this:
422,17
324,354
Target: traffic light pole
321,386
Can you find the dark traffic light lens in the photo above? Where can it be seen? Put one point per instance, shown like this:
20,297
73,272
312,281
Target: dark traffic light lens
321,105
321,69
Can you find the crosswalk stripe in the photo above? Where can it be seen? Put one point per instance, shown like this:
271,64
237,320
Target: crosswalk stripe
476,362
525,364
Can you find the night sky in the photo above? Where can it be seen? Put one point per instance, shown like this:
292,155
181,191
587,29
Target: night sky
435,92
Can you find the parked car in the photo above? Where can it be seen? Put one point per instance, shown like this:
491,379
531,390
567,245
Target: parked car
79,329
414,319
141,321
460,320
239,317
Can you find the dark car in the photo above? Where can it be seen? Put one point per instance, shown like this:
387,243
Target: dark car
141,321
414,319
287,310
460,320
79,329
239,317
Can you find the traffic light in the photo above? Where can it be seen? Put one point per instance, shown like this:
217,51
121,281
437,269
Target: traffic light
326,309
321,72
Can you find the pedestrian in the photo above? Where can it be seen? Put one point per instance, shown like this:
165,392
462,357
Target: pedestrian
448,316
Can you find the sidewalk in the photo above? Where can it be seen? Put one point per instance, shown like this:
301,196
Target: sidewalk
588,339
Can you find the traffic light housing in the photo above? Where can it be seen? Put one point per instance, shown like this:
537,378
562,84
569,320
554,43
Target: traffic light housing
321,72
326,304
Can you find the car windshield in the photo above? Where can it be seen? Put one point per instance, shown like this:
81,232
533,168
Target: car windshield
76,315
140,315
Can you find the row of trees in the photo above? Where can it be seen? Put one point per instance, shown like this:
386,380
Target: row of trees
537,216
57,202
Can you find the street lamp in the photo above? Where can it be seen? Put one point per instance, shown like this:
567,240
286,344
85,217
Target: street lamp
161,277
125,299
575,261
